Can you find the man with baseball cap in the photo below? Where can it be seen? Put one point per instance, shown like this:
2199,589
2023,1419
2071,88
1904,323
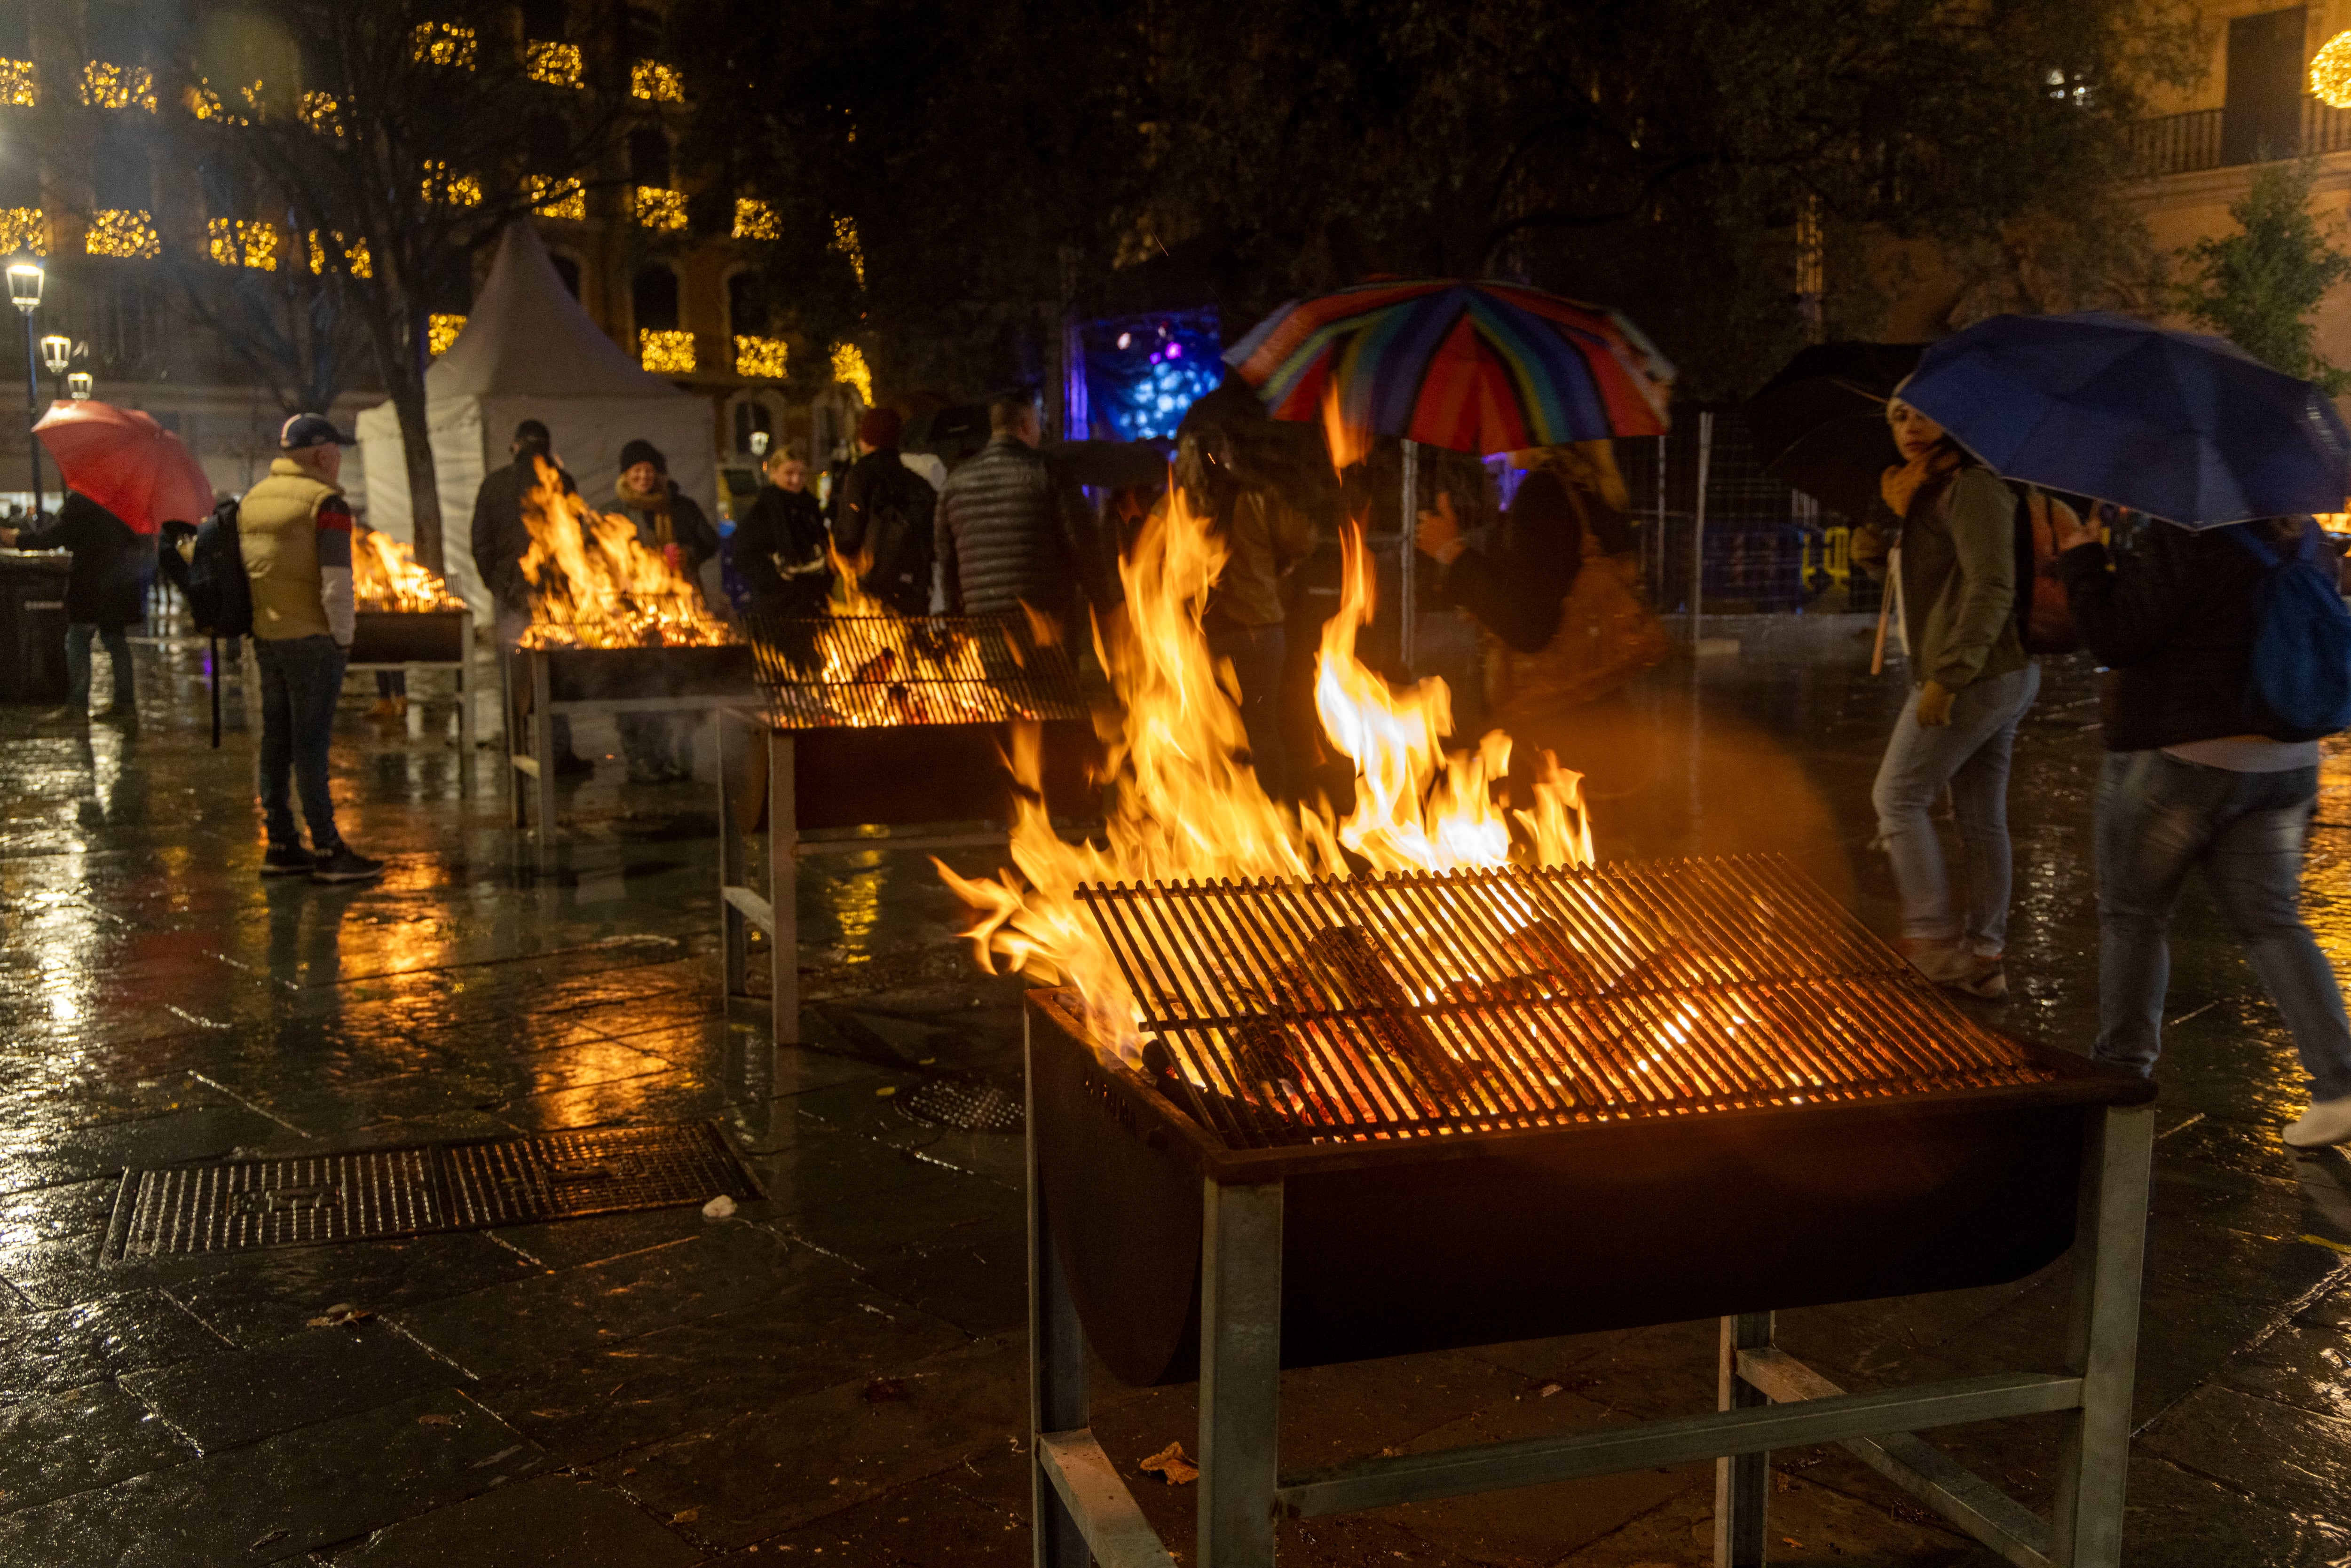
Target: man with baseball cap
294,529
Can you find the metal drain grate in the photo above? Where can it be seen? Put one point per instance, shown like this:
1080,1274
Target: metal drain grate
231,1205
972,1107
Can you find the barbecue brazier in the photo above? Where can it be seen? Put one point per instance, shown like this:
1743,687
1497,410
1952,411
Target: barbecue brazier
1381,1115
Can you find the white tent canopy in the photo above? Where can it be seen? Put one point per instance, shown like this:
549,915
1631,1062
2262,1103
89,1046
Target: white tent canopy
529,351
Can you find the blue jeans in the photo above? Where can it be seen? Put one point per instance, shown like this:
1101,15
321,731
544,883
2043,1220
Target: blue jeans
116,639
1970,754
1256,653
2159,818
301,678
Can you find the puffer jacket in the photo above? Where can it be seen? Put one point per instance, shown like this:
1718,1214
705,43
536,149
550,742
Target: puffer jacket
1008,533
2174,624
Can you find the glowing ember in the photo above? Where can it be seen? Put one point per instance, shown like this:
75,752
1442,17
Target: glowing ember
385,576
595,585
1186,806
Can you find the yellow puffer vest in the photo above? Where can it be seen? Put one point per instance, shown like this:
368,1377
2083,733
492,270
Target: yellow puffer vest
277,532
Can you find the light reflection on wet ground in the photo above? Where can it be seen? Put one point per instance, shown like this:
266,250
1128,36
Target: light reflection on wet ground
696,1380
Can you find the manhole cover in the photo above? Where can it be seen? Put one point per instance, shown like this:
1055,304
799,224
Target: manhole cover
972,1107
234,1205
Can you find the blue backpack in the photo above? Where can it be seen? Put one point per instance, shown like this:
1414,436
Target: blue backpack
219,596
2302,640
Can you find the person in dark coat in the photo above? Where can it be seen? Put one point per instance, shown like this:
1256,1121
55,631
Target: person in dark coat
884,513
501,539
780,544
659,745
106,595
1008,533
2200,775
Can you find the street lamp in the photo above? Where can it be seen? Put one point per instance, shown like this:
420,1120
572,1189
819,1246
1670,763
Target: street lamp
56,352
77,386
24,293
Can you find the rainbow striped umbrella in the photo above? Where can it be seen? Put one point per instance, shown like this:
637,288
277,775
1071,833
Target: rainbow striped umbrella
1472,367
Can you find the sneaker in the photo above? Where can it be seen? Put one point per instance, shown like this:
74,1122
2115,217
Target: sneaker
1988,980
295,862
1943,960
344,863
2326,1121
571,765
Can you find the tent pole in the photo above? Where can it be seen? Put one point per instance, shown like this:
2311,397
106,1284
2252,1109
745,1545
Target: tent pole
1697,524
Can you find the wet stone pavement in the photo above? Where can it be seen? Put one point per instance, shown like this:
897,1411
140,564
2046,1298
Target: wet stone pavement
835,1373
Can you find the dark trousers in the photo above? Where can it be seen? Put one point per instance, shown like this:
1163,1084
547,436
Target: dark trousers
2159,818
116,639
301,677
1256,653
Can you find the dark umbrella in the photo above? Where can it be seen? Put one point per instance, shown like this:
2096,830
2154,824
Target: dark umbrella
2176,424
1819,424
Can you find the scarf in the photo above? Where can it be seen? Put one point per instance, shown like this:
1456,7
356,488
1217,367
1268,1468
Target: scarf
655,507
1900,484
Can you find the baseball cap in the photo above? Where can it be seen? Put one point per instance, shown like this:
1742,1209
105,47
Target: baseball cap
310,430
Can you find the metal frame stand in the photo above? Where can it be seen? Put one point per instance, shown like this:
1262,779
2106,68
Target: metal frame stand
465,694
1083,1511
769,784
531,774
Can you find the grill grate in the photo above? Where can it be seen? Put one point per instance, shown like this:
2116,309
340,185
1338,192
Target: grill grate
1486,1000
867,671
968,1107
234,1206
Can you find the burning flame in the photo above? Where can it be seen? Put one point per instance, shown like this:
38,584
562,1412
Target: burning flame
1349,444
385,575
1186,806
596,587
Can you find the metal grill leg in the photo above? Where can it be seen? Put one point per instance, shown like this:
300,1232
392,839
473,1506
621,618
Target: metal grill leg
465,760
732,867
1057,1374
1742,1481
2109,1253
784,890
1240,1374
516,738
542,746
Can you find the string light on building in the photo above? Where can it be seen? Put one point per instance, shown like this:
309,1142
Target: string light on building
659,208
23,228
845,241
450,190
205,104
665,353
761,357
2330,72
441,44
656,83
554,198
122,232
440,332
755,219
20,84
849,368
235,241
107,86
320,112
554,64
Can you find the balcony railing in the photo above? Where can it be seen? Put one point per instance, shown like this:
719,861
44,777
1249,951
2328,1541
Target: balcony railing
2210,138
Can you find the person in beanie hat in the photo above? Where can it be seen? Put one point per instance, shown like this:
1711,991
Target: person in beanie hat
660,747
885,518
501,539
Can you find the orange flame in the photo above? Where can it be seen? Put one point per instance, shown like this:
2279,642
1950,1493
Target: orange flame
1186,806
595,586
1349,444
386,576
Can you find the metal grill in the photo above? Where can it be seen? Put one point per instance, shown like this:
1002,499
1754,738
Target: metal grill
1480,1001
870,671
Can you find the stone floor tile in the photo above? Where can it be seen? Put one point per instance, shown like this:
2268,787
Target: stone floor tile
268,1295
54,1444
238,1396
67,1347
551,1522
2297,1459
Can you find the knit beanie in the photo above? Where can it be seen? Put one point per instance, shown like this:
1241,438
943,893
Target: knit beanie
879,429
642,451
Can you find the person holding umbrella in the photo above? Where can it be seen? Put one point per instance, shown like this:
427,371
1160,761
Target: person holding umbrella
106,595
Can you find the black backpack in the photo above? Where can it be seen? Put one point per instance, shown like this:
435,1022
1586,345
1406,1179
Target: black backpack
898,537
219,596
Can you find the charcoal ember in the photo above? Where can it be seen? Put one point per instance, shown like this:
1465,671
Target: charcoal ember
1262,1053
1386,1016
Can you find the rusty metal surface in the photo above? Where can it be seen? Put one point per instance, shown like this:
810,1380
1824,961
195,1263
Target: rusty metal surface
873,670
1494,1000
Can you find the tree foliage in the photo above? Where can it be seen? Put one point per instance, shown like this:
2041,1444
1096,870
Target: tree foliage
1670,158
2258,287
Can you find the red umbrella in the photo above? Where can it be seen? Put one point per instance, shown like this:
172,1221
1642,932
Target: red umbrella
127,463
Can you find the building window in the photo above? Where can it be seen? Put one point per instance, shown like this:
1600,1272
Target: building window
205,103
652,300
443,44
23,228
555,64
845,241
123,232
554,198
660,209
20,83
355,255
450,190
321,113
656,82
441,330
667,353
236,242
761,359
108,86
755,219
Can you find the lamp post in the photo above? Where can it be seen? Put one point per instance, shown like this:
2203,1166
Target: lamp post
78,386
24,293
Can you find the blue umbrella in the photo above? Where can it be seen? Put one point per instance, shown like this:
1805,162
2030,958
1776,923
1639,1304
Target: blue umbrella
2177,425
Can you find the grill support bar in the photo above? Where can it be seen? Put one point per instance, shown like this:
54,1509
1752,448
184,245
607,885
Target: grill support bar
1771,1401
